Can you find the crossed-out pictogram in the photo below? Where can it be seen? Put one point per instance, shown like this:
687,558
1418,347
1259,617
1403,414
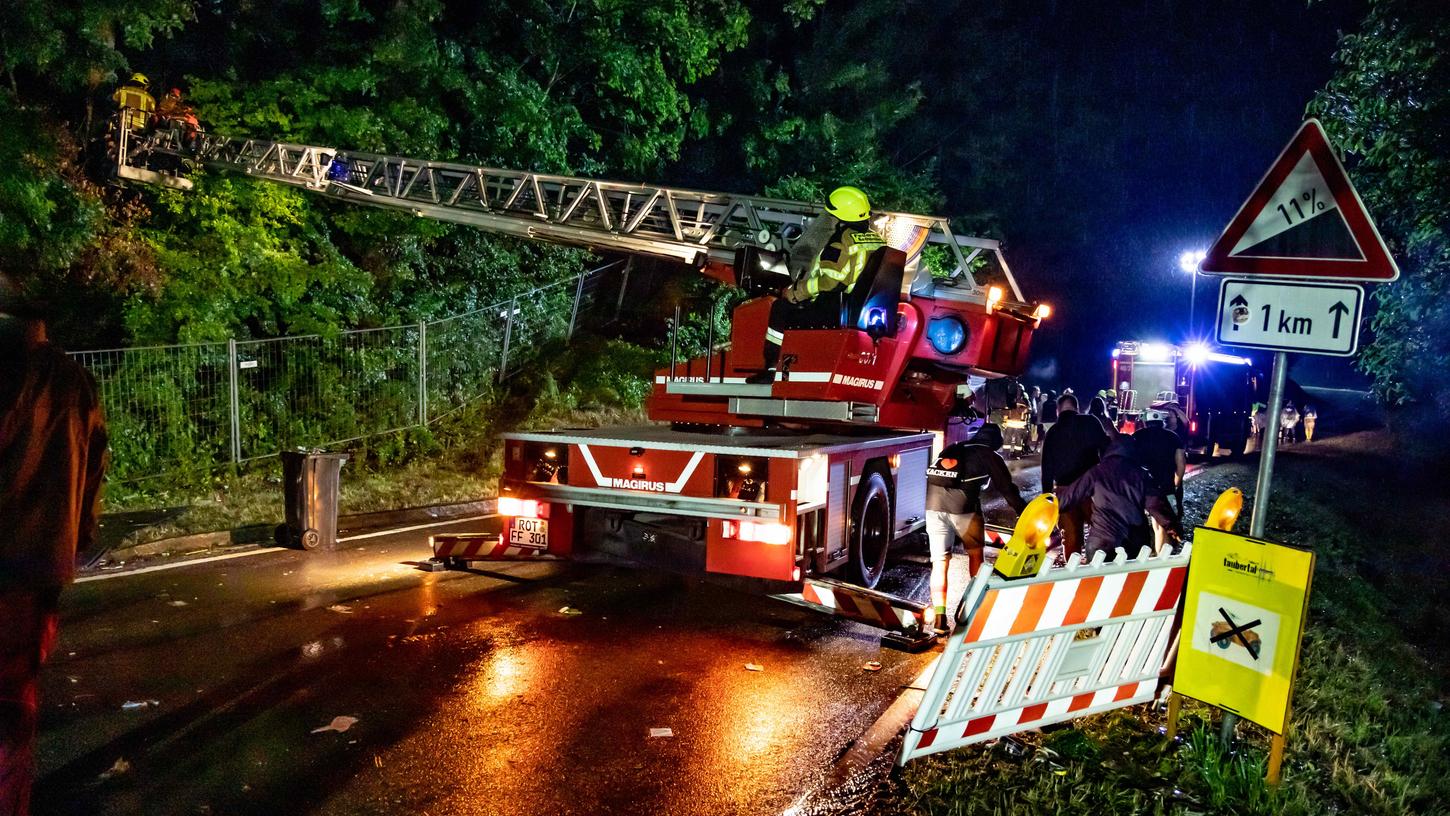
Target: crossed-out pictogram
1239,631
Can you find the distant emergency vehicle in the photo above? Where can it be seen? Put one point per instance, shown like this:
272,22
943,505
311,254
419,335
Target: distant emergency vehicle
1208,396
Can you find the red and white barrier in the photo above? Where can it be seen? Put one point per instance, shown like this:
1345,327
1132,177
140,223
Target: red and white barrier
1063,644
482,547
858,603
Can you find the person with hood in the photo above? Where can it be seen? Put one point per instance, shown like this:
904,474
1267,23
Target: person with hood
954,485
1119,491
52,460
1071,447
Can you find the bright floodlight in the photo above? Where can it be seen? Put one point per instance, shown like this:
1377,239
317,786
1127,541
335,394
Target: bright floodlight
1154,352
1190,260
1197,354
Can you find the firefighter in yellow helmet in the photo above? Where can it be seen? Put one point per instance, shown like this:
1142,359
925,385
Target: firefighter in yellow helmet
825,263
134,98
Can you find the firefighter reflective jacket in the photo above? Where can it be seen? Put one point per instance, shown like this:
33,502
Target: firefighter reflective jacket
136,102
839,264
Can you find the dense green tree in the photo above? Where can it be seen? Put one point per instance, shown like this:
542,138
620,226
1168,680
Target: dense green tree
1388,108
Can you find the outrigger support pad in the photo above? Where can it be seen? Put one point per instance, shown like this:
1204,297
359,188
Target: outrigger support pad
912,640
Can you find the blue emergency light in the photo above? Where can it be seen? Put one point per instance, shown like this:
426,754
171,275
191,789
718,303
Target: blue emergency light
946,334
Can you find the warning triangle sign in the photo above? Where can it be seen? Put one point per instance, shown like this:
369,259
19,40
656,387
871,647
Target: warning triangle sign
1304,220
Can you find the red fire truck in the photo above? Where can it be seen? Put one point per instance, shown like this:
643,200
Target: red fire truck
787,485
1207,395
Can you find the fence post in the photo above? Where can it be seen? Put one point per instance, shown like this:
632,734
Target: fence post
508,331
423,373
578,295
623,287
234,400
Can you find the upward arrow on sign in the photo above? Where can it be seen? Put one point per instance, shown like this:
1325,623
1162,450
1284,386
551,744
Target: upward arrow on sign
1304,220
1339,310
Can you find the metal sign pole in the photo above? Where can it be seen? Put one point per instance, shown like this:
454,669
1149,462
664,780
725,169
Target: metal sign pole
1262,488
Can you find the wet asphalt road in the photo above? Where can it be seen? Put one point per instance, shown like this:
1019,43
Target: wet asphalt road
473,694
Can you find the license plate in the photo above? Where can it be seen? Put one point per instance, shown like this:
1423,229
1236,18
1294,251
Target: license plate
531,533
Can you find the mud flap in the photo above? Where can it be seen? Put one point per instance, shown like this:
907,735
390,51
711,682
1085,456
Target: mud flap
903,620
456,550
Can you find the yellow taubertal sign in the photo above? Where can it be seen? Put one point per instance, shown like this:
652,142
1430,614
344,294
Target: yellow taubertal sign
1243,617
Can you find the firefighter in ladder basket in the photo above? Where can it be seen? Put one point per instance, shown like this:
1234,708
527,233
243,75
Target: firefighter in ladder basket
954,485
824,263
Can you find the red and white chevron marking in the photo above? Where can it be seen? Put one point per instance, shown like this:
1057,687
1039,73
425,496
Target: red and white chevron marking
1063,644
858,604
992,726
480,547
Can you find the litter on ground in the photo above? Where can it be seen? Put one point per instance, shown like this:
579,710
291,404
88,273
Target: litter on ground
340,724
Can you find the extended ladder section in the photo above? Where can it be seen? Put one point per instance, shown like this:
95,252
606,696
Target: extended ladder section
691,226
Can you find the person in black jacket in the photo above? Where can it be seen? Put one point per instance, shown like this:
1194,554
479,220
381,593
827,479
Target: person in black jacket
1071,447
1119,493
954,486
1161,452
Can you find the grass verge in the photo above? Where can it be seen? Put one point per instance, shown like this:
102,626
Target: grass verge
1369,732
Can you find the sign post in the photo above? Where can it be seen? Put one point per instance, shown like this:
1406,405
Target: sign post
1303,222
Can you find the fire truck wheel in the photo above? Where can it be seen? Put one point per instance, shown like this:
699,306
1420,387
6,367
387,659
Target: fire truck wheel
870,530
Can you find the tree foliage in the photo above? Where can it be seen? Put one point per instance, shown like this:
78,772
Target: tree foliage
731,94
1388,108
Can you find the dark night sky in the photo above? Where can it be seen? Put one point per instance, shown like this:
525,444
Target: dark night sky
1150,123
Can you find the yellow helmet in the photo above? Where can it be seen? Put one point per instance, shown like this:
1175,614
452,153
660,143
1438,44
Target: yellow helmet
849,204
140,79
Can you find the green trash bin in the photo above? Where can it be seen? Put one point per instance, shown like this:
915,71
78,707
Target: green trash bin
310,483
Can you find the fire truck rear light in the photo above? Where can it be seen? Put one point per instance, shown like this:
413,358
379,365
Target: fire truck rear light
1193,426
763,532
514,507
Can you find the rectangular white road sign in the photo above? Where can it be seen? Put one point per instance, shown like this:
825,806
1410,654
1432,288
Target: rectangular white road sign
1313,318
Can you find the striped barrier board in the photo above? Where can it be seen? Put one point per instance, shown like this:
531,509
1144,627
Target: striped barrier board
1066,643
482,547
858,603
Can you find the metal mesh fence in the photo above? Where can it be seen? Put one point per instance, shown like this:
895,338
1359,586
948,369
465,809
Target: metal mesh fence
315,390
194,407
167,407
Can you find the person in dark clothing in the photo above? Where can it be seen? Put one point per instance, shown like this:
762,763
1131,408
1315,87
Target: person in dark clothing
954,485
52,459
1098,409
1047,414
1072,446
1161,452
1118,490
